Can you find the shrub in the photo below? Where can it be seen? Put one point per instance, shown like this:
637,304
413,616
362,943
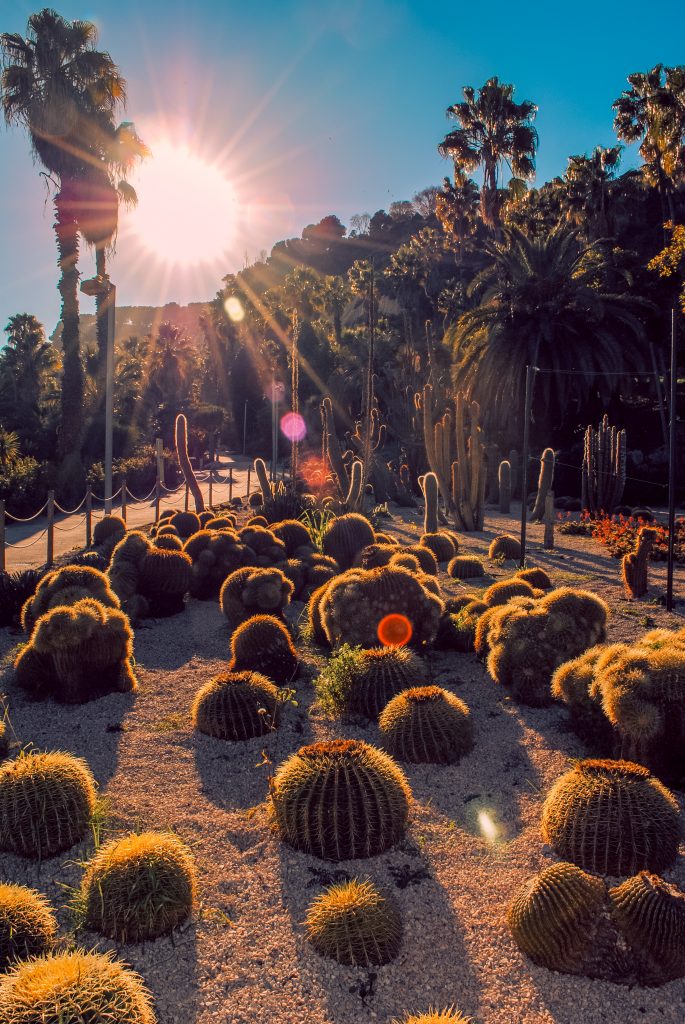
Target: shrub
340,800
65,587
355,604
15,590
110,529
426,724
500,593
465,567
24,484
236,706
505,546
263,644
185,523
165,581
612,818
138,887
363,681
67,988
46,801
78,653
345,538
27,924
441,544
651,916
249,591
351,922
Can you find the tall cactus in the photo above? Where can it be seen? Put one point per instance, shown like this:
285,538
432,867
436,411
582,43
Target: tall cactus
544,484
604,467
181,436
429,486
504,480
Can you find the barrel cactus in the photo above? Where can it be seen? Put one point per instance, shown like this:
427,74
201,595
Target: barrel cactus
345,538
27,924
124,572
139,887
169,542
249,591
573,684
320,569
70,987
222,522
427,560
538,578
442,545
351,922
458,628
403,560
356,603
165,581
650,914
236,706
505,546
185,523
77,654
426,725
46,802
293,534
215,554
108,531
263,547
612,818
555,916
313,629
363,681
376,554
504,590
465,567
66,586
448,1016
263,644
340,800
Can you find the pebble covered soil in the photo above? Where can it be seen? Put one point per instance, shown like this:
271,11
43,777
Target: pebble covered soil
473,837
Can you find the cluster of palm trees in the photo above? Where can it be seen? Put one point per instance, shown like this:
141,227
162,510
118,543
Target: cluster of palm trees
67,95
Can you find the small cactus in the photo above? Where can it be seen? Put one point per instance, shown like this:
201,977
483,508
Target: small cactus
293,534
458,629
537,578
340,800
345,538
139,887
429,486
427,560
27,924
46,801
185,524
448,1016
250,591
504,485
168,542
544,484
108,530
442,545
165,581
502,592
362,682
215,554
263,644
650,914
635,565
426,725
403,560
612,818
236,706
66,586
67,988
373,556
505,546
465,567
351,922
222,522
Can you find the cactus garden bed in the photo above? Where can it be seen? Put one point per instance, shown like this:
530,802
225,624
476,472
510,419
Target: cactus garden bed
473,835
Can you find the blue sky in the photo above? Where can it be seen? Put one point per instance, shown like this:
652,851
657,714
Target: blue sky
312,107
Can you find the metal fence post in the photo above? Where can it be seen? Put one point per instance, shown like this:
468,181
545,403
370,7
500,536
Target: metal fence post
51,529
187,493
89,517
2,535
158,495
123,499
548,541
230,484
247,492
210,488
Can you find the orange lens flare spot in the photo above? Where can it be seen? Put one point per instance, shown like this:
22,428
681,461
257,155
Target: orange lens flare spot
395,630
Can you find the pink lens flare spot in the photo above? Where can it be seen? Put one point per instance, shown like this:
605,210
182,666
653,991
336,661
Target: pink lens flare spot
293,426
394,630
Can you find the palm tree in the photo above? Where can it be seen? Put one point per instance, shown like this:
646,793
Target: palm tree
456,207
28,370
494,131
50,81
652,112
170,372
545,302
587,183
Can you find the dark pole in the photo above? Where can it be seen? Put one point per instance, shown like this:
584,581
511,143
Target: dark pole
671,463
530,373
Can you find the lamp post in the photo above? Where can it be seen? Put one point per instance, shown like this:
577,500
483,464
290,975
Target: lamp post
101,285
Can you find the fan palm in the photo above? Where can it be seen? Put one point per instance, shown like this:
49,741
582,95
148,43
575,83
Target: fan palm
545,302
587,181
494,131
28,371
456,207
50,80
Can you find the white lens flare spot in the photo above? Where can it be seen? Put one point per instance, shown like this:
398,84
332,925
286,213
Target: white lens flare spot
293,426
234,309
490,830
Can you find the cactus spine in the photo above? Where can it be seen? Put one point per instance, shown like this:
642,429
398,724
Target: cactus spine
604,467
181,434
504,481
634,566
544,484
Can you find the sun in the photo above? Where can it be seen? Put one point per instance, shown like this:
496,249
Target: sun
187,208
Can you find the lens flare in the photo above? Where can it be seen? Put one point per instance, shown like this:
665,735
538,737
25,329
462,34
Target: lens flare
293,426
488,827
395,630
234,309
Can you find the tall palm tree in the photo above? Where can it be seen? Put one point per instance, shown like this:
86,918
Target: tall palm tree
493,131
587,182
28,373
545,302
50,80
652,112
456,207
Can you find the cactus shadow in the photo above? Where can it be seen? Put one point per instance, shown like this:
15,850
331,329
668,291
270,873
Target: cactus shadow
200,629
432,937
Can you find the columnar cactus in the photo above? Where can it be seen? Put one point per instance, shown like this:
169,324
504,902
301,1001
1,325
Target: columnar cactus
612,818
340,800
71,987
139,887
505,546
650,914
634,565
165,581
250,591
181,437
27,924
351,922
46,801
236,706
604,468
504,482
263,644
465,567
544,484
429,486
345,538
426,724
66,586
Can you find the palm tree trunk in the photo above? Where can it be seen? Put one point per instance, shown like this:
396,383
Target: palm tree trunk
66,230
101,315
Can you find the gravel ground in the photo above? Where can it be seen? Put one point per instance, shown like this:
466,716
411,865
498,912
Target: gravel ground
243,957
